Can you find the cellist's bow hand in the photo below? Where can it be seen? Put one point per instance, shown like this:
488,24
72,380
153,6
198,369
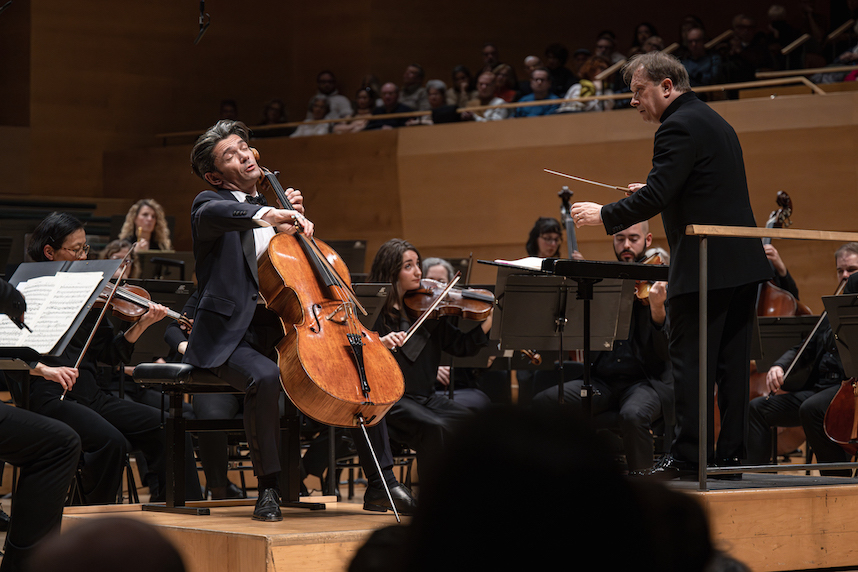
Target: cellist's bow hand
774,379
634,187
393,340
288,221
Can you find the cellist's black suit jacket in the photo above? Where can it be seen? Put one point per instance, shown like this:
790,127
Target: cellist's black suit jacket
698,177
225,256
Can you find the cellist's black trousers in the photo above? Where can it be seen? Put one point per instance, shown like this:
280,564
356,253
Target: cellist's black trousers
259,378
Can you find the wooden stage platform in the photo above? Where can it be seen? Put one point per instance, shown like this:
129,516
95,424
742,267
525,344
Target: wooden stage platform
769,522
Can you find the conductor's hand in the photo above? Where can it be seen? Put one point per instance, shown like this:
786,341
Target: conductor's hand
393,340
65,376
586,214
634,187
775,378
443,375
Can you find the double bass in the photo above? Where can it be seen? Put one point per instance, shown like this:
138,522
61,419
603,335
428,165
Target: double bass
332,368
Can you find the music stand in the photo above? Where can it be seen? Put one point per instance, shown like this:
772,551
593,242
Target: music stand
166,265
23,358
779,334
843,316
534,308
372,296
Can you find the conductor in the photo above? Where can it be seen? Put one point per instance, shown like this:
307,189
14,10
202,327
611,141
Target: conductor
697,177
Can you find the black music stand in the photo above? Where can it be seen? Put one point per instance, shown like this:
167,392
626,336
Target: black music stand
779,334
534,308
843,316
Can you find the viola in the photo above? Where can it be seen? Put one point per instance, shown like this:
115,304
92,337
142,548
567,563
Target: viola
131,302
470,303
642,287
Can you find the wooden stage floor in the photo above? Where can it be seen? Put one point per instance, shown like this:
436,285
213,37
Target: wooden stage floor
769,522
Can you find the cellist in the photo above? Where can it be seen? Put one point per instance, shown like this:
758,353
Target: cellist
232,335
806,406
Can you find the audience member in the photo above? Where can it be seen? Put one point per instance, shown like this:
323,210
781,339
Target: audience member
364,103
319,110
689,21
643,32
704,66
486,96
372,82
390,97
228,109
339,106
580,56
109,543
653,44
413,94
781,34
747,52
652,528
506,83
274,113
146,224
462,90
491,57
540,85
587,87
606,47
436,94
530,64
561,77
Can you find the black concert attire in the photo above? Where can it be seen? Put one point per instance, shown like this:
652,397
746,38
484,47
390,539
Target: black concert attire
234,337
46,452
390,122
422,419
698,177
820,363
106,424
633,379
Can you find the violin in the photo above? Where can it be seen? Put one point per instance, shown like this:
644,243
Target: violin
131,302
471,303
642,287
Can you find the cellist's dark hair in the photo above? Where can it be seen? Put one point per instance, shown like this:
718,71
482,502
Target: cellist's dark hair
541,226
52,231
385,268
202,158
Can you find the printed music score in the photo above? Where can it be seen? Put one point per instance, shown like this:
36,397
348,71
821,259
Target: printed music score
53,302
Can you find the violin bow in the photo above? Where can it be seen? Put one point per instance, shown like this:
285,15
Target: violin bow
126,262
429,310
588,181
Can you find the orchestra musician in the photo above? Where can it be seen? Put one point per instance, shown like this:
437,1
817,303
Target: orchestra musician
806,406
47,453
633,378
697,176
422,419
233,336
103,421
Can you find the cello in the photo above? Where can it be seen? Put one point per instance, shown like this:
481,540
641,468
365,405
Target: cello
332,368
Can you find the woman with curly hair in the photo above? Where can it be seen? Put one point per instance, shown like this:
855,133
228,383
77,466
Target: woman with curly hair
146,224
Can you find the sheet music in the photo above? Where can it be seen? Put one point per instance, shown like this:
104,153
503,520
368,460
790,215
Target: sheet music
53,302
527,263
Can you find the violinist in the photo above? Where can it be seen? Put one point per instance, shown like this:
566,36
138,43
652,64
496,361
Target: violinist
464,379
806,406
103,421
233,334
422,419
633,379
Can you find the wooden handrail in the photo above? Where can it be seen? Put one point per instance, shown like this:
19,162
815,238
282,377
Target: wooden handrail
806,71
757,232
614,96
718,39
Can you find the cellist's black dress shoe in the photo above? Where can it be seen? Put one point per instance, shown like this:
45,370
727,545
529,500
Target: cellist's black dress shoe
732,462
231,491
268,506
375,499
668,468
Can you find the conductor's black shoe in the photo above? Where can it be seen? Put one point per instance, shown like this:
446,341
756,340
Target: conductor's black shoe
668,468
375,499
733,462
268,506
